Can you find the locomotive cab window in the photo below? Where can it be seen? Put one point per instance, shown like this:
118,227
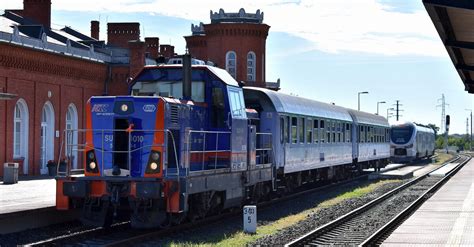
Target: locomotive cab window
172,89
236,100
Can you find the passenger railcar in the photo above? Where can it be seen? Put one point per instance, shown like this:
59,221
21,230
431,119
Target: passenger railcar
410,141
190,142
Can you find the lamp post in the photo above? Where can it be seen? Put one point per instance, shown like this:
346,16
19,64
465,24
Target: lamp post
380,102
358,99
470,140
389,109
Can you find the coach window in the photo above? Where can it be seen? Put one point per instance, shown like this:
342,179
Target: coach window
328,131
361,134
309,131
301,125
316,130
372,134
288,129
339,131
294,130
322,132
350,132
333,129
282,129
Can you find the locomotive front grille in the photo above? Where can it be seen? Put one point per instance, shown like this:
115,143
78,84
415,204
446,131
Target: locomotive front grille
400,151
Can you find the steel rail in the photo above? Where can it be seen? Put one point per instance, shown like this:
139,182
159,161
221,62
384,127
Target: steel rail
307,238
184,226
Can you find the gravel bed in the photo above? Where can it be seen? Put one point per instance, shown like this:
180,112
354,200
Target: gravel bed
213,233
39,234
357,229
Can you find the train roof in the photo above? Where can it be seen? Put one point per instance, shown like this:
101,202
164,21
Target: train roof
147,72
368,118
284,103
418,127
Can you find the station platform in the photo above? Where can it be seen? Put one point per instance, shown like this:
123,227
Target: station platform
27,195
445,219
30,204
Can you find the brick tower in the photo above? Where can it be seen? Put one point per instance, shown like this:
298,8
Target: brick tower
235,42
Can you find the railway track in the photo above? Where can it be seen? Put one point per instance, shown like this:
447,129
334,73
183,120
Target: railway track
368,224
122,234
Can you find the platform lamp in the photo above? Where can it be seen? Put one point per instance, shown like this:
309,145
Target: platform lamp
358,99
379,102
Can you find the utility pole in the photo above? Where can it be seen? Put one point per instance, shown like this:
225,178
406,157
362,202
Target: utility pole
397,109
467,128
443,111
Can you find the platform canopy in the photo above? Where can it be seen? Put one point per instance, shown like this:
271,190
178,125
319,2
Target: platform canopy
6,96
454,21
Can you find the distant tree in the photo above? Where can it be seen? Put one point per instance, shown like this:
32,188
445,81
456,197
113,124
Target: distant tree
435,128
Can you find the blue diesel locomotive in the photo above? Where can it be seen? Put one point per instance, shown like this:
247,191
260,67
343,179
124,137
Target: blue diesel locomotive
190,142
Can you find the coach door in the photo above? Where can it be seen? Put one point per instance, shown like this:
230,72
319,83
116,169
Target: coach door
238,127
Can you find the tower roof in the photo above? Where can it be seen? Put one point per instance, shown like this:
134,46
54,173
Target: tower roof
240,17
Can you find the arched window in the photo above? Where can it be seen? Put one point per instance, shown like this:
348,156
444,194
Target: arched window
251,66
231,63
71,134
47,136
20,133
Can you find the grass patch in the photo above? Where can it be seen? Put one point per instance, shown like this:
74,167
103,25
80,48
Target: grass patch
441,158
241,239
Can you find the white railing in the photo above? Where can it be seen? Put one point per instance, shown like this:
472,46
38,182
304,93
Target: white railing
264,152
70,148
44,45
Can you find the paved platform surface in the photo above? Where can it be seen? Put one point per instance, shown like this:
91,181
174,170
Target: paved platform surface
402,172
27,195
446,219
441,172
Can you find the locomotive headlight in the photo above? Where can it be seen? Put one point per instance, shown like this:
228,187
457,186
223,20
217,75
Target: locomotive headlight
154,166
91,155
155,156
92,165
124,107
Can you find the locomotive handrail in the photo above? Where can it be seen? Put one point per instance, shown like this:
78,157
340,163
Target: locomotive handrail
190,151
269,145
79,147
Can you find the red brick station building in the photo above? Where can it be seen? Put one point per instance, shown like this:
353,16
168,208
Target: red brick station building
47,75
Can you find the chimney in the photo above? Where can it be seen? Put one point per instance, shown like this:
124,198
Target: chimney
137,56
152,46
167,51
118,34
38,11
95,29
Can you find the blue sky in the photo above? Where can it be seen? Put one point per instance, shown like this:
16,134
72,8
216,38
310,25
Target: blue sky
327,50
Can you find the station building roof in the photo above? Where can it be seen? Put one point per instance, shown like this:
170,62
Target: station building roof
454,21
